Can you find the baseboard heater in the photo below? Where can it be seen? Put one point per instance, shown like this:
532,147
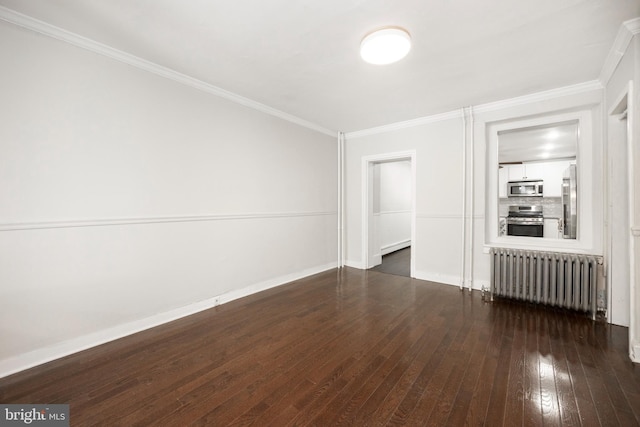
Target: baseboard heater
565,280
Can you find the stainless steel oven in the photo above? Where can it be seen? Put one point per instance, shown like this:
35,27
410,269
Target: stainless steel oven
531,188
525,220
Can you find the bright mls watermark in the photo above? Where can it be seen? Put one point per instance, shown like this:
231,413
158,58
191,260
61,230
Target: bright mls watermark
34,415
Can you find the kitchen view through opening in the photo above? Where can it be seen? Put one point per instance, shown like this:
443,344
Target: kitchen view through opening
537,181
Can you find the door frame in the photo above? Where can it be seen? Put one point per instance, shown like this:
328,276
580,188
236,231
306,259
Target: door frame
368,163
624,104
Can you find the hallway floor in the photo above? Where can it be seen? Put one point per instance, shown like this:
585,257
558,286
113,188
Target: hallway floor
397,263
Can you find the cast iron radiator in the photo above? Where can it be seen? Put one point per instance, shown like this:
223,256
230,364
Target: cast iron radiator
557,279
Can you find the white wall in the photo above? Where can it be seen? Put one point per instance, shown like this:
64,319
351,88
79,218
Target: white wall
438,244
127,199
437,149
394,207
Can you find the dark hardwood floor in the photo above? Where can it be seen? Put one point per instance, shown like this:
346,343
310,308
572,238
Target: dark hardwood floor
351,347
398,263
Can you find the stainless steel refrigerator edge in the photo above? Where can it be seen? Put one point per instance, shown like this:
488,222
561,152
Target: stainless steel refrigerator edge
569,203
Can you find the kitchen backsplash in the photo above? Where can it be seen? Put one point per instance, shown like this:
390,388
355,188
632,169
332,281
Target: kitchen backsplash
551,206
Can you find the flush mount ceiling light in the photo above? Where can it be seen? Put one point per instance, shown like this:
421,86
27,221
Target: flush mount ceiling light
385,46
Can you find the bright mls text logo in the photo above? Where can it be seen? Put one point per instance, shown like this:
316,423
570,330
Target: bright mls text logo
36,415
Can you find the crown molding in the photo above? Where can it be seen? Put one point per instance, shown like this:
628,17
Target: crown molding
627,30
483,108
77,40
633,25
539,96
405,124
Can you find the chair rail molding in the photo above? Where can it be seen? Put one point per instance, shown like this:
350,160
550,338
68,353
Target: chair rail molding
101,222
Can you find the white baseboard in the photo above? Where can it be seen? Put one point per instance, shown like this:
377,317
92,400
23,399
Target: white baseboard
438,278
479,284
635,352
377,259
395,247
39,356
355,264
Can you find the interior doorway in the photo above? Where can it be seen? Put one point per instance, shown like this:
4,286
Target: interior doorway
389,213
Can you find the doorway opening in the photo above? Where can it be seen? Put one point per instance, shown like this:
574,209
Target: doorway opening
389,213
397,263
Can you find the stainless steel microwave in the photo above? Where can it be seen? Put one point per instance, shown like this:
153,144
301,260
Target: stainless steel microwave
529,188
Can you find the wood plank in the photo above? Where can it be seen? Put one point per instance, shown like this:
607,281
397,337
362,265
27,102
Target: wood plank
532,409
569,414
499,389
514,408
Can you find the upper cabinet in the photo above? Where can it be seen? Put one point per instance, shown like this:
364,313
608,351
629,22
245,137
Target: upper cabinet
552,173
503,178
549,172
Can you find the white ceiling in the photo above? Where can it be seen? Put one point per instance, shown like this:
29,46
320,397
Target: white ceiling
540,143
301,56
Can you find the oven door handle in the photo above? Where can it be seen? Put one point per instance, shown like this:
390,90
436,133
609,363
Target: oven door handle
525,221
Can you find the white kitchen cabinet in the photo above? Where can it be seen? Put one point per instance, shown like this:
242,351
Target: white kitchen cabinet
555,174
551,228
517,172
538,170
549,172
503,178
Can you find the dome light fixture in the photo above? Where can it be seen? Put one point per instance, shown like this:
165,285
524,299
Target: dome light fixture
385,46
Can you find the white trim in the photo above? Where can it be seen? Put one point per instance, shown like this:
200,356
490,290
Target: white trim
152,220
340,205
426,215
387,249
444,279
355,264
626,32
632,191
394,212
635,231
540,248
624,105
539,96
423,215
633,25
49,30
43,355
473,192
483,108
404,124
366,175
635,352
463,240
